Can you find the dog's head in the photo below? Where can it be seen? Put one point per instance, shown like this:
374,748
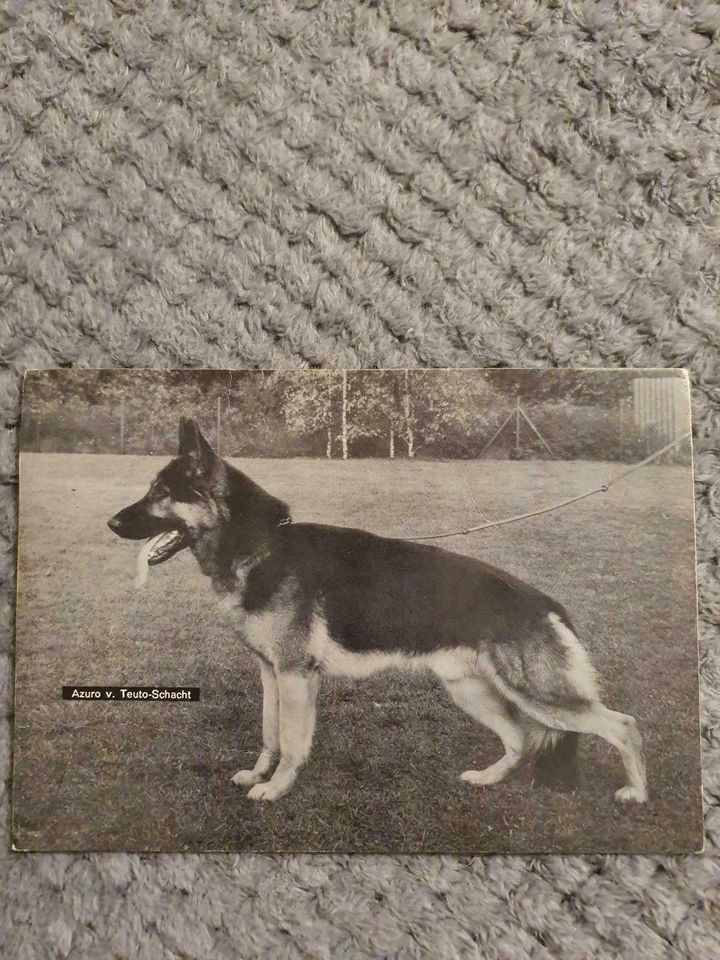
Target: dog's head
179,502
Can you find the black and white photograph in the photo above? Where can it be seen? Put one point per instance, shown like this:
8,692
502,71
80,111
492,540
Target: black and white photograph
382,611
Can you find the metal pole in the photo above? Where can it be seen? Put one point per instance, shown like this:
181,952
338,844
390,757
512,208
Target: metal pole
497,433
535,431
122,425
517,429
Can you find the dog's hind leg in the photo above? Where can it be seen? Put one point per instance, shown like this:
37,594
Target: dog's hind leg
478,699
621,731
270,731
618,729
297,698
549,677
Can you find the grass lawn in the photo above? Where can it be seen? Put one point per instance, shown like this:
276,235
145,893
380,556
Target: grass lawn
383,775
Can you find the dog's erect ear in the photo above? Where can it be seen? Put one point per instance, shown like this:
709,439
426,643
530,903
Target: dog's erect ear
193,446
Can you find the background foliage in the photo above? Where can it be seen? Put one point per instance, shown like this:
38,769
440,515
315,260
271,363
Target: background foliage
428,414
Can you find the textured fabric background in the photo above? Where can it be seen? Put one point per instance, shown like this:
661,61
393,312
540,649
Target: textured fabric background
225,184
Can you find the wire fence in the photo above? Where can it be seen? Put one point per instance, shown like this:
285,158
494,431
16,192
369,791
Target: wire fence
336,414
549,431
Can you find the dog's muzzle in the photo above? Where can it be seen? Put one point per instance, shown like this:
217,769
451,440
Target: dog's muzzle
165,546
156,550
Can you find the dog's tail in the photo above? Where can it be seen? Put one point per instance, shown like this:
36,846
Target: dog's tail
556,760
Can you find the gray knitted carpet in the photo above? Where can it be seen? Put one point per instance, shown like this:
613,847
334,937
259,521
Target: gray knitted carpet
194,183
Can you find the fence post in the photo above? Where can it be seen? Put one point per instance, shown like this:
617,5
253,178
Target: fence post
219,435
122,425
344,431
329,415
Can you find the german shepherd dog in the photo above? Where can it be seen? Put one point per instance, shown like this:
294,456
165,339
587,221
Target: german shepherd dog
309,599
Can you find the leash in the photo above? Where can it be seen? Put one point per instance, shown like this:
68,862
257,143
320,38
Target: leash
603,488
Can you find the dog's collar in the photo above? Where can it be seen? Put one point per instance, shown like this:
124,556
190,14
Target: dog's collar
261,553
240,567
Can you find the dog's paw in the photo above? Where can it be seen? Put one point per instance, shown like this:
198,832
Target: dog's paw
630,795
479,778
266,791
245,778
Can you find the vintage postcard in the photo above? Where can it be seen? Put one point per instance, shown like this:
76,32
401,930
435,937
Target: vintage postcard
407,611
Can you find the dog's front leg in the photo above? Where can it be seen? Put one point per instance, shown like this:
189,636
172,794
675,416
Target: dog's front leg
298,694
270,732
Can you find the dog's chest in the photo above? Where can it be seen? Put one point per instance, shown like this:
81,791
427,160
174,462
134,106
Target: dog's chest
258,630
264,630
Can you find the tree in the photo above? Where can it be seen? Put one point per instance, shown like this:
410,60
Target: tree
450,411
308,401
369,408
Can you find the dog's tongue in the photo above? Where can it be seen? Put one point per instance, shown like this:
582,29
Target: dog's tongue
146,551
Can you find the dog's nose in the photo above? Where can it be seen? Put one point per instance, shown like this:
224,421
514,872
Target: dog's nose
114,524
